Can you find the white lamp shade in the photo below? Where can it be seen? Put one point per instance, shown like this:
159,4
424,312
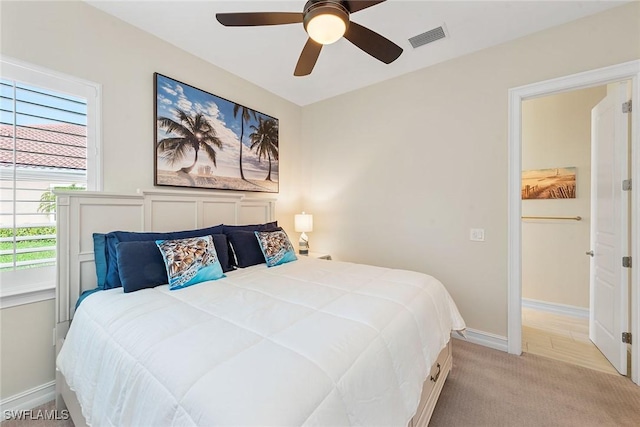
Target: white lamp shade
303,222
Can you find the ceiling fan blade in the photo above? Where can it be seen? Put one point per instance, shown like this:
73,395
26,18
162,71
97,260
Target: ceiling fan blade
249,19
308,58
373,43
356,5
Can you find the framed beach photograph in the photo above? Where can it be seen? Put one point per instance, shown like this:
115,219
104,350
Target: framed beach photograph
556,183
204,141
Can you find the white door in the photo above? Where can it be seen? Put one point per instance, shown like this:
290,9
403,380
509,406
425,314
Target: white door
609,227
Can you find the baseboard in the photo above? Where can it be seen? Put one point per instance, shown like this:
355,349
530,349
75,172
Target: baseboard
29,399
486,339
551,307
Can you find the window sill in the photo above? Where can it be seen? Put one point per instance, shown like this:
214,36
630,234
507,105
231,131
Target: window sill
11,296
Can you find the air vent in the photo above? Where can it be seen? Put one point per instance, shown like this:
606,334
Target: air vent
428,37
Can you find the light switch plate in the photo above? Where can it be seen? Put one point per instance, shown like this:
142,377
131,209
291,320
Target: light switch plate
476,234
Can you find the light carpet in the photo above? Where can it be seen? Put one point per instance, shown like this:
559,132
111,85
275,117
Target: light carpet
491,388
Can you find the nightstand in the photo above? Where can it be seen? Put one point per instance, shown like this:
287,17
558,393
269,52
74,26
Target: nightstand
318,255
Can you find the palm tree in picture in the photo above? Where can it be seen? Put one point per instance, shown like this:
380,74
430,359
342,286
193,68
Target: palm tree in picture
264,139
193,133
245,116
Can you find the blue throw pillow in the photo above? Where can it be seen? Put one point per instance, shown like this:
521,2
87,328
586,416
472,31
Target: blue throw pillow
140,265
246,248
221,244
276,247
115,237
251,257
233,258
100,258
190,261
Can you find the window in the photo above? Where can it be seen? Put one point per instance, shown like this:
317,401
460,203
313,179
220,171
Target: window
48,141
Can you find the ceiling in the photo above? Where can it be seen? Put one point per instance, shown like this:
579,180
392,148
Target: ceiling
267,56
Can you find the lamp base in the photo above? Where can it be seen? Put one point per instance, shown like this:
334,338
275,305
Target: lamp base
303,245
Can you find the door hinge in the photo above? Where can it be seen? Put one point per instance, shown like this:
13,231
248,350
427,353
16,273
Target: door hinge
626,185
626,337
626,261
626,107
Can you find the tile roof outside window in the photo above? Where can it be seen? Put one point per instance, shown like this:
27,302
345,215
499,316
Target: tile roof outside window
60,145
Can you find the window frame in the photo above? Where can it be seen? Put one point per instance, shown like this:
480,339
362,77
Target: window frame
23,286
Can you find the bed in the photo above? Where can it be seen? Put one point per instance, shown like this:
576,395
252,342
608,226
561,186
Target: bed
308,342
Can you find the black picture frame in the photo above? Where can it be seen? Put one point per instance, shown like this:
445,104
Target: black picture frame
197,141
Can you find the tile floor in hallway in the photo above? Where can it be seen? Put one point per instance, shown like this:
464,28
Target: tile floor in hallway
561,337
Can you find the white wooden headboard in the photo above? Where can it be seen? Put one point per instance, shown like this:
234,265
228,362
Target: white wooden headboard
80,214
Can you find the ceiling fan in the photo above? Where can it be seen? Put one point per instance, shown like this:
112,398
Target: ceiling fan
326,21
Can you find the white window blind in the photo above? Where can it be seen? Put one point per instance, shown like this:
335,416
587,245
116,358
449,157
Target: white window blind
48,141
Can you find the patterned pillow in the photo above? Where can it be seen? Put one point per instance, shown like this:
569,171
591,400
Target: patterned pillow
190,261
276,247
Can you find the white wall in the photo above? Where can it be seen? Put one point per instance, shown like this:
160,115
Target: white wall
400,171
74,38
26,347
556,132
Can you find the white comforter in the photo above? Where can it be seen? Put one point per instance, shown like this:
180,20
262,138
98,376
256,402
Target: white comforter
310,342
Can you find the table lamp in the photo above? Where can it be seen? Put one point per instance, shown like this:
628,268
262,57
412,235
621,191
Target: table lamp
303,223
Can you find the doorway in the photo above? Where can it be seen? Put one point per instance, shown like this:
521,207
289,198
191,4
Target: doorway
625,71
556,205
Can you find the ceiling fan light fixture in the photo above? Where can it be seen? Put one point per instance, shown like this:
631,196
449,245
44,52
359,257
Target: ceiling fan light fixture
326,28
326,23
